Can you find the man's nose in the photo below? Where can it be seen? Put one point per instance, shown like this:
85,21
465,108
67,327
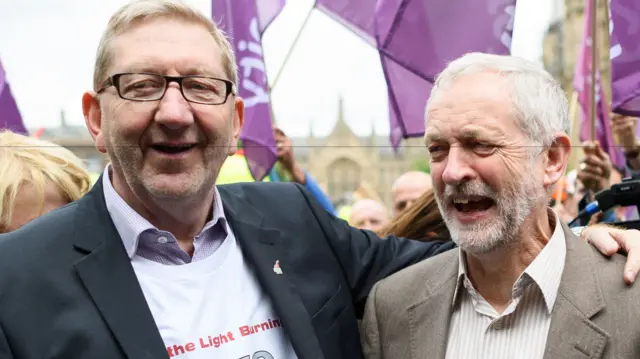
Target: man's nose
174,111
458,168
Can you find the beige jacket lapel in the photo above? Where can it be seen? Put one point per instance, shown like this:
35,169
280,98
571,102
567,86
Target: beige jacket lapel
572,333
430,316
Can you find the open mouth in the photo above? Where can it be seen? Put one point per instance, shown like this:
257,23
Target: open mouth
473,204
171,149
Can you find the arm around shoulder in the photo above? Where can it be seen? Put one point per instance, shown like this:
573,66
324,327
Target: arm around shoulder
366,258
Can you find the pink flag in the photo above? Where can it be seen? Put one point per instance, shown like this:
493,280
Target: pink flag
582,86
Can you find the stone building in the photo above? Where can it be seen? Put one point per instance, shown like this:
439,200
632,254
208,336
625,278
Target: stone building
342,160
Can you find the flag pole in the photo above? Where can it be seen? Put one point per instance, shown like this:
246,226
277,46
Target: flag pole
293,46
594,66
576,149
282,66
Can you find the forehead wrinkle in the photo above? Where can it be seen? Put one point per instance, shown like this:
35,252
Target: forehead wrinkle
156,66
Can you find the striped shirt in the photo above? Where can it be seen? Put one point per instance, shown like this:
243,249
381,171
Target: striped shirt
478,331
141,238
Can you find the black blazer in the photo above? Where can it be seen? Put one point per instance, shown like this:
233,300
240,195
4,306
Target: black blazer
68,290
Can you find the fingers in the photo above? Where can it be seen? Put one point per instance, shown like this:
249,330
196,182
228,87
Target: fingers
593,184
588,148
600,153
629,241
596,163
593,165
624,121
600,237
623,126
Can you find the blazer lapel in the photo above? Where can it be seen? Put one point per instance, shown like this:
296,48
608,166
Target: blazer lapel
108,276
262,248
429,323
572,333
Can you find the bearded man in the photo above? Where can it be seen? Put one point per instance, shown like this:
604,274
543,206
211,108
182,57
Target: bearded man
520,285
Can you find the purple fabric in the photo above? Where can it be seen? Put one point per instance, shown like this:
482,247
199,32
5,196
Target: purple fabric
10,118
625,57
245,21
416,39
581,84
356,15
267,12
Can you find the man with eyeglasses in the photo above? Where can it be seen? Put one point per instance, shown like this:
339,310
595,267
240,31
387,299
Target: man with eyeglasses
158,262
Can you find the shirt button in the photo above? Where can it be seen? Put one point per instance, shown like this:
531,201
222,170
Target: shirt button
497,325
162,239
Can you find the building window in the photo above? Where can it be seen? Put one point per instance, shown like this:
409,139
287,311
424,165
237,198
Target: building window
344,177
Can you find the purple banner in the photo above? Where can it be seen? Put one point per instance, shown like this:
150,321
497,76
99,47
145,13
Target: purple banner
417,38
268,10
582,86
245,21
10,118
624,27
356,15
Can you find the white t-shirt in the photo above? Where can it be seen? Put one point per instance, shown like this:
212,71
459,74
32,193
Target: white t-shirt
213,308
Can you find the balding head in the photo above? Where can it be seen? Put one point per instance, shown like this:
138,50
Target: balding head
369,214
407,188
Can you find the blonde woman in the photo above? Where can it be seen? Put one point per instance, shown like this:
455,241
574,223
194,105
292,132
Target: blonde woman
36,177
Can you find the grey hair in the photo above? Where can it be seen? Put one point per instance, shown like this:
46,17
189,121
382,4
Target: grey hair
540,104
139,11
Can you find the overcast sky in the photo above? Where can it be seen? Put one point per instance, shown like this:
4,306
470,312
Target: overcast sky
48,47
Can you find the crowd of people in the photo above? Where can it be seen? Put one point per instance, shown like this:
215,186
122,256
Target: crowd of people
159,259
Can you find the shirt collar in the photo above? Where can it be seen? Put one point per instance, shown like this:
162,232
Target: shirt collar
130,225
545,270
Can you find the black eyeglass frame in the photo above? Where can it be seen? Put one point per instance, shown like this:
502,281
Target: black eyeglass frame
113,80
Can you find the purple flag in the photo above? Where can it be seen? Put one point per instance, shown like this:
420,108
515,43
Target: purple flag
10,118
624,26
268,10
245,21
417,38
356,15
582,86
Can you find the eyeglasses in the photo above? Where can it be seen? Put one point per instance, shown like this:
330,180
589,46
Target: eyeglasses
152,87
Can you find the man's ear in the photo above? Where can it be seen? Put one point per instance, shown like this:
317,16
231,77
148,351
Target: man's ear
556,161
237,123
93,118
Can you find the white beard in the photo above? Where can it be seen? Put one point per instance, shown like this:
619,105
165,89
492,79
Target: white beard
514,205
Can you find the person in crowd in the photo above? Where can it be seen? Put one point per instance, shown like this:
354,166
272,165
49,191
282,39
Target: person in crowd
369,214
37,177
520,285
421,221
624,131
295,173
596,173
235,170
566,195
407,188
156,261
